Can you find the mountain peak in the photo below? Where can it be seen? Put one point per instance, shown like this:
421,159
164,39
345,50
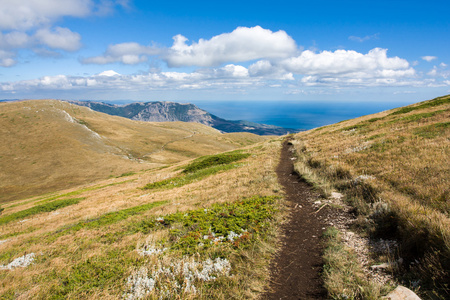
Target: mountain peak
166,111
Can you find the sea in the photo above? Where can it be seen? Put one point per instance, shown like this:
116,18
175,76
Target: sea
301,115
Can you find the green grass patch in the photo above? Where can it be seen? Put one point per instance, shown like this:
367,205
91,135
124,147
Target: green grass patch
16,233
431,103
80,191
235,224
432,131
214,160
416,117
373,137
220,231
374,120
354,127
112,217
39,209
126,174
189,178
91,275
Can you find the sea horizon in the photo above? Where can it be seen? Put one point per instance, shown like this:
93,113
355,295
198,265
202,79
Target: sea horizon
302,115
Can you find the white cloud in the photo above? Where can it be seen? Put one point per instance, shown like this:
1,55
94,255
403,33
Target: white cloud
227,77
109,73
429,58
59,38
7,59
363,39
343,62
126,53
27,14
14,39
243,44
264,68
29,24
439,72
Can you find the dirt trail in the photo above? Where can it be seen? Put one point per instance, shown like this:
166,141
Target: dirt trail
295,271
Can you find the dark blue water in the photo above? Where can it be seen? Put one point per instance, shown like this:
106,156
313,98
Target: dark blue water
297,115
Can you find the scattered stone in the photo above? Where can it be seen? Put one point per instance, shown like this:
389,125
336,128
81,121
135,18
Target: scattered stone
401,293
23,261
336,196
387,265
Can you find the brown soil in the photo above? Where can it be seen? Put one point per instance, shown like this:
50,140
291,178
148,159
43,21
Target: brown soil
296,269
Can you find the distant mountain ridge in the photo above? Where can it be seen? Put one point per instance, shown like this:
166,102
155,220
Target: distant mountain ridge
162,111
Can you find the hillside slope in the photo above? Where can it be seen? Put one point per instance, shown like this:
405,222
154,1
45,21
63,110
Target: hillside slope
394,168
199,229
185,112
49,145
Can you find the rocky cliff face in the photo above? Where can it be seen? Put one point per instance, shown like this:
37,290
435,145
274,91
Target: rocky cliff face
172,112
185,112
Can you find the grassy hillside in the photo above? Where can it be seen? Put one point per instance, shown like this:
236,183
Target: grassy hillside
394,168
167,226
49,145
200,229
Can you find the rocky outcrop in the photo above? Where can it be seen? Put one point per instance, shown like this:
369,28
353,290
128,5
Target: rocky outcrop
185,112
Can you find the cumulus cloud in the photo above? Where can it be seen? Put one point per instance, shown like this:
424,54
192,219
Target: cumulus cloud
343,62
28,14
429,58
242,44
29,24
229,76
126,53
439,71
59,38
7,58
267,69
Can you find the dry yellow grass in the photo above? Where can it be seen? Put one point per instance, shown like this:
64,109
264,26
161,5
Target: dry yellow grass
49,145
60,256
400,158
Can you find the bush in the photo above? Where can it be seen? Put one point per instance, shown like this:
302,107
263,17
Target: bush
214,160
39,209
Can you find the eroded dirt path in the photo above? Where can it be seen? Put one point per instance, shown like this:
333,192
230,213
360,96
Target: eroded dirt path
295,271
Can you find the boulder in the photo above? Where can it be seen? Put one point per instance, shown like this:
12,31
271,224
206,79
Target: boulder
401,293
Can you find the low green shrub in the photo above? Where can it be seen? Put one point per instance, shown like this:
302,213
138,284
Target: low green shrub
214,160
431,103
432,131
112,217
181,180
237,223
51,206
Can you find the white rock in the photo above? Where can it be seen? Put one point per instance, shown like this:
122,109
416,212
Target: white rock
402,293
336,195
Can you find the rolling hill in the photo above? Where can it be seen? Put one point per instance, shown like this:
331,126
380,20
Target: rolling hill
49,144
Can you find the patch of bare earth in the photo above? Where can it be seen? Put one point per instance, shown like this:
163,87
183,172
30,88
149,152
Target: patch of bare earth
296,269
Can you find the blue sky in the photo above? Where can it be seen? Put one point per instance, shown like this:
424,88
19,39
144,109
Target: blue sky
224,50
